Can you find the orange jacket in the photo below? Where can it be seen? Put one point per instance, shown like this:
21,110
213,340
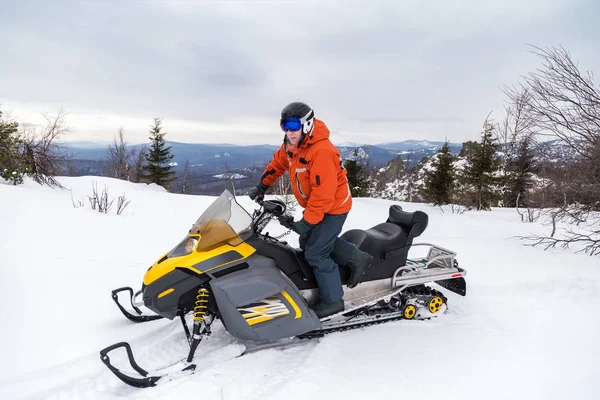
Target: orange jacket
318,180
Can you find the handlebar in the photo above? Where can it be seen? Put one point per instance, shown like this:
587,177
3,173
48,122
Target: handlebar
275,207
270,208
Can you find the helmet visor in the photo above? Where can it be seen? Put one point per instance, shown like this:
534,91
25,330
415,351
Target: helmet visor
290,124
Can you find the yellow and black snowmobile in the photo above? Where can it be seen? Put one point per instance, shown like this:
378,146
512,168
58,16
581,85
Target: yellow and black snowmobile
260,287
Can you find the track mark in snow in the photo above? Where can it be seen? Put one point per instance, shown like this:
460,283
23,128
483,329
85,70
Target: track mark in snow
261,375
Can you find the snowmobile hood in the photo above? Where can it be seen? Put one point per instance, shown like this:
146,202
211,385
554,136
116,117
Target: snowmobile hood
199,262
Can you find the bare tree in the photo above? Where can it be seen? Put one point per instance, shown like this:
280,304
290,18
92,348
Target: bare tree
515,136
565,104
184,180
186,171
43,156
119,157
582,230
518,122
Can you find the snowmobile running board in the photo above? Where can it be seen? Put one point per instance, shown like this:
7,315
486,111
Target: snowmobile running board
130,316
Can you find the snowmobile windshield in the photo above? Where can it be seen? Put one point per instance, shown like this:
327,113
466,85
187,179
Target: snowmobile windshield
224,221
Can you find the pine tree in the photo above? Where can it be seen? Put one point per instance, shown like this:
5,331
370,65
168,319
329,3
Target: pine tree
11,165
482,165
157,169
359,186
440,180
520,174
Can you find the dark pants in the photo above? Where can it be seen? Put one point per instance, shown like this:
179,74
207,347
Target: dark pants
321,247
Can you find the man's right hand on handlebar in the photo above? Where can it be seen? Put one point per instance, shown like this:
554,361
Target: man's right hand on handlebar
257,192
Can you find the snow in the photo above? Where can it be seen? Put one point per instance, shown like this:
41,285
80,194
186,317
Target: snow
361,154
527,328
230,175
400,189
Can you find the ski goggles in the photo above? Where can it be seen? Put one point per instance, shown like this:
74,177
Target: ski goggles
291,124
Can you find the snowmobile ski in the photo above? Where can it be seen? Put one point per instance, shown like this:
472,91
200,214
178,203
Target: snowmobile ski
201,329
178,370
146,380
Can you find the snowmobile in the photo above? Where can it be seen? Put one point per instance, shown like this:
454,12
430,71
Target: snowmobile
261,288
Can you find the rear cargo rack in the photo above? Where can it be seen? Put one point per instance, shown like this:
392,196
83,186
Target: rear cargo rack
439,266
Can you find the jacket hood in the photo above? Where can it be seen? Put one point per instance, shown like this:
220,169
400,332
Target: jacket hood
319,132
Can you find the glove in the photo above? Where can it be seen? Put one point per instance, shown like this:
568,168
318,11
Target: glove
258,191
302,227
286,221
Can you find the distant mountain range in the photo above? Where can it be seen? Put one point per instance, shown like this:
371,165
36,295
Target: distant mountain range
213,167
222,157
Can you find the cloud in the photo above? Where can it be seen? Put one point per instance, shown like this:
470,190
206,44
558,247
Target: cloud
410,69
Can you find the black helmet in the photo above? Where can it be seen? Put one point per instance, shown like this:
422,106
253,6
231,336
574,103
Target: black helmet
300,111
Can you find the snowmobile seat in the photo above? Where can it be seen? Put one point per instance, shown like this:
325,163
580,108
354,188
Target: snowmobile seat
375,239
413,224
398,231
390,241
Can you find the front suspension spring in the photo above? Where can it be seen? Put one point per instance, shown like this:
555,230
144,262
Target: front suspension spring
201,305
200,310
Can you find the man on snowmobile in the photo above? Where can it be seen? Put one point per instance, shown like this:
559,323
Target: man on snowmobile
320,185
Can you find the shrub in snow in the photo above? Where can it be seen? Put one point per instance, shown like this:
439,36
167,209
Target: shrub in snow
101,201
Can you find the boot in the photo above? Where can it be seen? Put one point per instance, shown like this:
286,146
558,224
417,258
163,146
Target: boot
323,309
359,263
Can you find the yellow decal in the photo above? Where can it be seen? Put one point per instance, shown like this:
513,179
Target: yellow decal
166,292
258,320
294,305
265,310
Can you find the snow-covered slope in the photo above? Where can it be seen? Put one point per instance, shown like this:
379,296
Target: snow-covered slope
526,329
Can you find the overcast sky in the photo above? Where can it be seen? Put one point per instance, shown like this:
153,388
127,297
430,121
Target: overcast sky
221,71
